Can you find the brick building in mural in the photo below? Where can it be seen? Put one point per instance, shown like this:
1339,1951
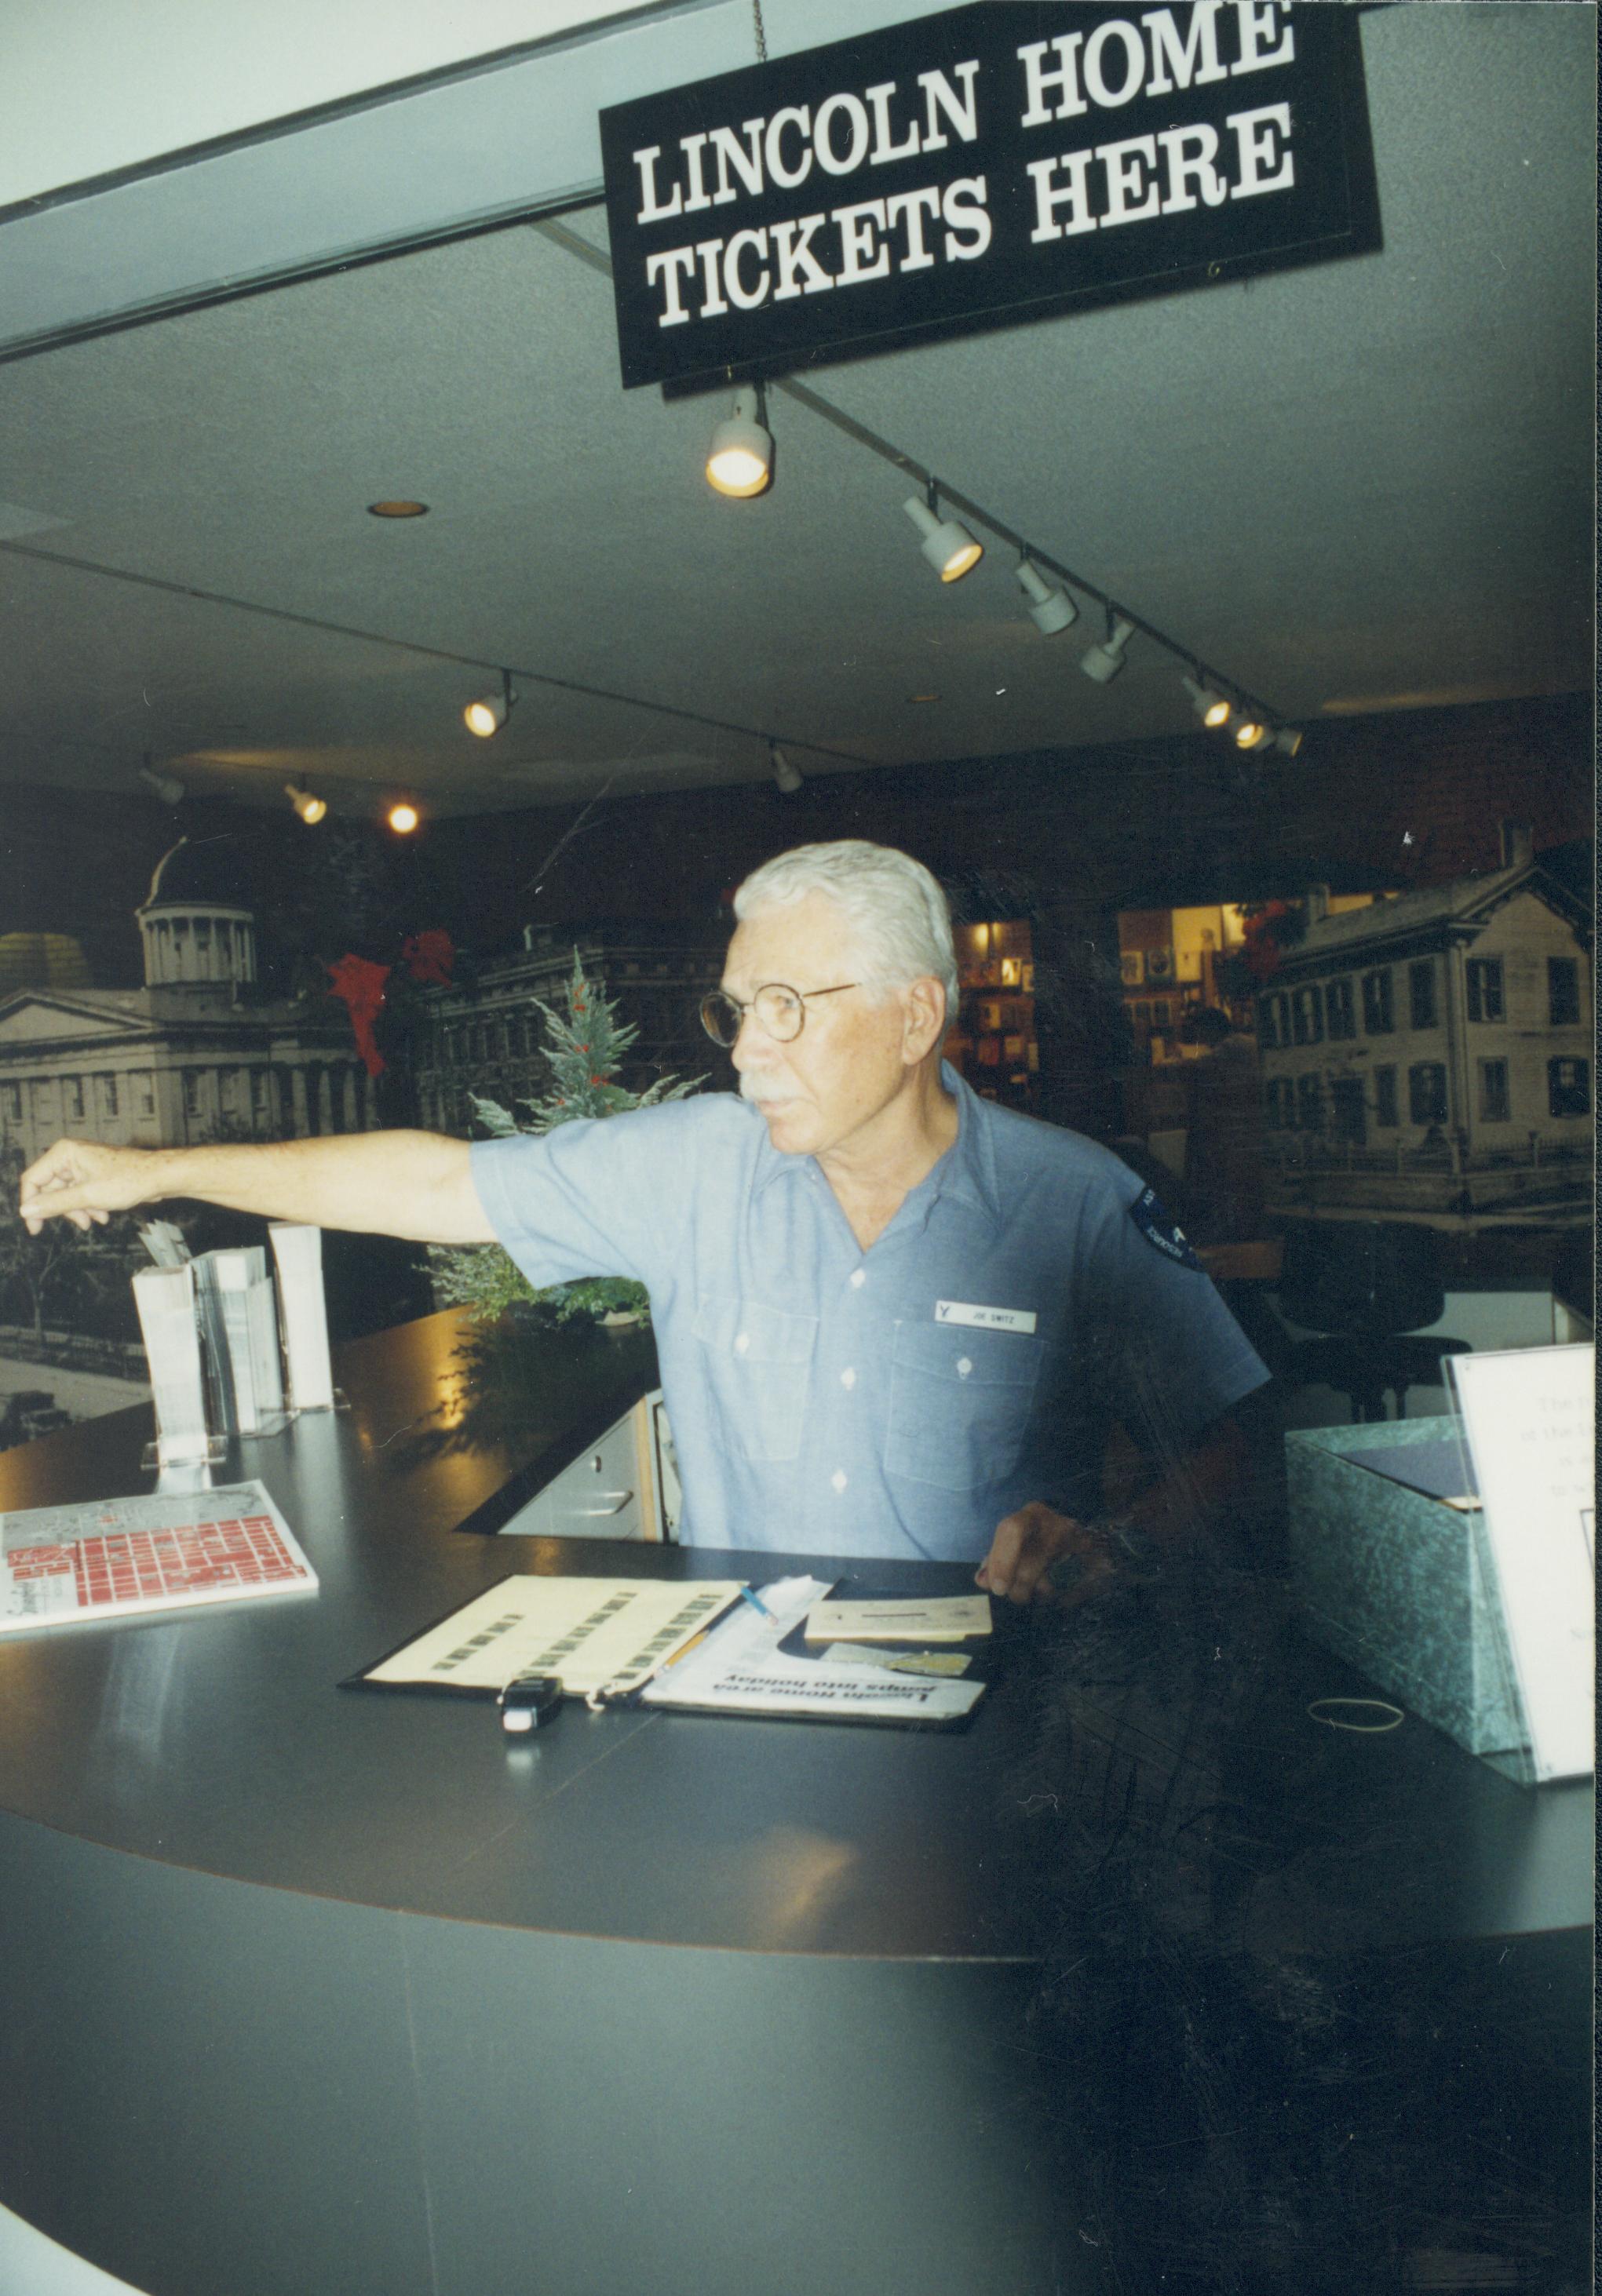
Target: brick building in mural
198,1054
1432,1054
484,1035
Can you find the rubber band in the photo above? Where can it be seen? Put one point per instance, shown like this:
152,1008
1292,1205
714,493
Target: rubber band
1367,1705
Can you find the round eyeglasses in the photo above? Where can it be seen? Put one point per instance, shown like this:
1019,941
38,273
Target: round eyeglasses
781,1012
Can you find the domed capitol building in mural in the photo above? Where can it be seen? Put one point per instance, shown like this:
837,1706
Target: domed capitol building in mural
200,1052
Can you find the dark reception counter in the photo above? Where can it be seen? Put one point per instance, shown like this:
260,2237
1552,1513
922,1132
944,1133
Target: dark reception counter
307,1990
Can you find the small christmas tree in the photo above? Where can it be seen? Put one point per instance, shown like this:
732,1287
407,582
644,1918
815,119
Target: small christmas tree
584,1052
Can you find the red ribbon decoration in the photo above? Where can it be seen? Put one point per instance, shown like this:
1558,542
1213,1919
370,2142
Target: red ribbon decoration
359,985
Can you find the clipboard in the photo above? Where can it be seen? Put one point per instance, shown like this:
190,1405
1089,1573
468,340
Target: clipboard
604,1638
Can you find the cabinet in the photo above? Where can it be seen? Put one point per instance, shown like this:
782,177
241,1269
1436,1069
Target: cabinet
621,1486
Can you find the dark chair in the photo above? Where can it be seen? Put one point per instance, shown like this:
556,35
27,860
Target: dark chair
1368,1285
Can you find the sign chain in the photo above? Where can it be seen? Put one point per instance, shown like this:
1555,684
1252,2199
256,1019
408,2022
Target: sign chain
756,17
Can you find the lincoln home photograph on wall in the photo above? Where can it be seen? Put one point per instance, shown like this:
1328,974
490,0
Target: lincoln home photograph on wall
797,899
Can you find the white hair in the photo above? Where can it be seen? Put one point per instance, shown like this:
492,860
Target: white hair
898,912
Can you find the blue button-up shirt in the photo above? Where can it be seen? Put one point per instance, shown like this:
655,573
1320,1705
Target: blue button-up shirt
896,1401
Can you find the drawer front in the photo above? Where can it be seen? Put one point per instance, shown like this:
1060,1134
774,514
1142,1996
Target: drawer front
599,1497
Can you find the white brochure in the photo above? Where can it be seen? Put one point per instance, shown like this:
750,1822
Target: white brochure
1529,1417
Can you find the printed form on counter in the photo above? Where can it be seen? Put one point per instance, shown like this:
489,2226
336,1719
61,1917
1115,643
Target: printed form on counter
741,1670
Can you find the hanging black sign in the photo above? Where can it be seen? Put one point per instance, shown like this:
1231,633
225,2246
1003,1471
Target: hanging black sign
994,163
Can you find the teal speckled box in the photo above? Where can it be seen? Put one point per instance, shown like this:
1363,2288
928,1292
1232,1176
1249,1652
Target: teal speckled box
1390,1580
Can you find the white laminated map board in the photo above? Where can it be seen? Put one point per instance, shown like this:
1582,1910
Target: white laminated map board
111,1558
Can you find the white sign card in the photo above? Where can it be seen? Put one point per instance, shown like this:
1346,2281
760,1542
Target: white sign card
1529,1418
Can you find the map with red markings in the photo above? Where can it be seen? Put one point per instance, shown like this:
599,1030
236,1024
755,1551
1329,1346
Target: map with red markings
110,1558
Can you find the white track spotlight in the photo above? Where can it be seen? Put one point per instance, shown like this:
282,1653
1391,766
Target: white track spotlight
739,462
488,715
169,791
1251,734
947,544
310,808
1104,662
1210,705
790,778
1051,608
1288,739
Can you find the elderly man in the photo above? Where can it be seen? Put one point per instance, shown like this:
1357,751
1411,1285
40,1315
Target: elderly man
892,1319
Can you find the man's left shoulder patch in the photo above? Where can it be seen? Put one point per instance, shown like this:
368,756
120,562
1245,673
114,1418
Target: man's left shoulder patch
1161,1230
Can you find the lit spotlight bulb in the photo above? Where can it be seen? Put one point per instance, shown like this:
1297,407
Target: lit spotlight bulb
739,462
1251,734
1211,706
947,544
1051,608
488,715
310,808
403,818
1104,662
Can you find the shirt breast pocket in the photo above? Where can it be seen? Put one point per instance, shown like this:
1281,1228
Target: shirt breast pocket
959,1404
758,1362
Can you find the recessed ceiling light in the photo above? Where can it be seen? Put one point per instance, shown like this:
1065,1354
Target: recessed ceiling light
397,510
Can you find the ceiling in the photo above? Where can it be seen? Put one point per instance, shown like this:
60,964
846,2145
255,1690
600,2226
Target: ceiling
1361,487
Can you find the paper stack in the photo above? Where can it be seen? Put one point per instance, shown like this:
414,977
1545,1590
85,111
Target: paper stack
299,1252
242,1289
165,1298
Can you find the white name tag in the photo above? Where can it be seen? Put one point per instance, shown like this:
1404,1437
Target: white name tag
984,1319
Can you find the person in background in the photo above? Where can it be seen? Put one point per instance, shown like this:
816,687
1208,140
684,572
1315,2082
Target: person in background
892,1319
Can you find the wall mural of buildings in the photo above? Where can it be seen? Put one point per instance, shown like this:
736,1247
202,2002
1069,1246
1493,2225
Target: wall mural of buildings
1431,1055
201,1052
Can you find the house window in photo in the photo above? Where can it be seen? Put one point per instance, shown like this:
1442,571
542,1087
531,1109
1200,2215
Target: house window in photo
1569,1087
1385,1115
1427,1092
1310,1104
1484,977
1377,1017
1339,1015
1307,1015
1421,995
1495,1107
1563,991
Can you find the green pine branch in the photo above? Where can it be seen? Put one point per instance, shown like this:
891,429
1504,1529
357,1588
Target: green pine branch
584,1049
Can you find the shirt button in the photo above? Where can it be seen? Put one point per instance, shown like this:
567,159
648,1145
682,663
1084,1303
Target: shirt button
858,1278
848,1379
838,1478
742,1344
963,1366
